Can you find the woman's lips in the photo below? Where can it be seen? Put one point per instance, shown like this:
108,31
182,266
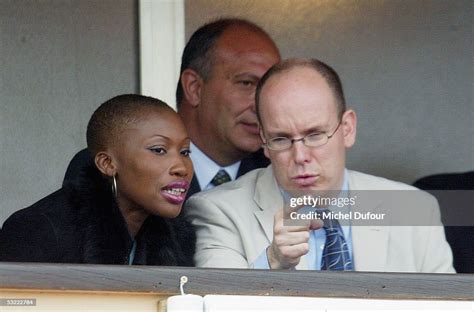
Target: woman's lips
305,180
175,192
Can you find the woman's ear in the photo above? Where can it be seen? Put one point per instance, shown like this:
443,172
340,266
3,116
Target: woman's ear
192,84
105,164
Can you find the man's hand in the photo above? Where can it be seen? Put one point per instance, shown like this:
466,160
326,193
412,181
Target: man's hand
289,242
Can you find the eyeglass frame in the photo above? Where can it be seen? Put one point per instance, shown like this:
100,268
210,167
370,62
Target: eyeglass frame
302,139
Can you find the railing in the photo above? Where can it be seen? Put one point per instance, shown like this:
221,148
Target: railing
164,281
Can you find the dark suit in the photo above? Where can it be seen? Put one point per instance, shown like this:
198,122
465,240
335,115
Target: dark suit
83,158
461,238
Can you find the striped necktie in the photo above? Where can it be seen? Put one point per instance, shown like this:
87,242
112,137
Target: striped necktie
221,177
336,255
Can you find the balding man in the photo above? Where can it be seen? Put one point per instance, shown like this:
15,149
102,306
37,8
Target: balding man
306,129
221,66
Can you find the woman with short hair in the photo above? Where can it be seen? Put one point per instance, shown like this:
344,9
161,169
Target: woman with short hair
125,207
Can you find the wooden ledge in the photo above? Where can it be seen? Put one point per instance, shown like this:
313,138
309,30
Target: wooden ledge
165,281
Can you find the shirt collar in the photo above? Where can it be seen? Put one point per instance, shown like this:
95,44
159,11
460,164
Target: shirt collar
205,168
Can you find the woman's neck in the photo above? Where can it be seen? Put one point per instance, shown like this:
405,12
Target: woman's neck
134,216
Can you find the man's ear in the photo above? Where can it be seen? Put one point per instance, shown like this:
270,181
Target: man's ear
105,163
349,127
265,148
192,84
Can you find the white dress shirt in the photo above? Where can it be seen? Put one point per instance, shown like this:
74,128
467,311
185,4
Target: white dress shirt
205,168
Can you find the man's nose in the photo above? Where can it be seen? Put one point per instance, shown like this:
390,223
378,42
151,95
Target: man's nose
253,107
301,153
251,102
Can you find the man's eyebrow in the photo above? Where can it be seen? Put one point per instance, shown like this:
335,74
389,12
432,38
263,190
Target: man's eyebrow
316,129
278,134
246,76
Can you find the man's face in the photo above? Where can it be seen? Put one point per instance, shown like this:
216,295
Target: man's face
294,104
226,111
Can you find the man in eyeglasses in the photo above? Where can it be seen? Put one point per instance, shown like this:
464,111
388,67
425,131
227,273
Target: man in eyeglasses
306,129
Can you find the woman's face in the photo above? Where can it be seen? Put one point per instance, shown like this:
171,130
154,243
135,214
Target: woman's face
153,168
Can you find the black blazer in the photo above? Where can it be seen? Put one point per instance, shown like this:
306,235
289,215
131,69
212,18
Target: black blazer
83,158
81,223
460,238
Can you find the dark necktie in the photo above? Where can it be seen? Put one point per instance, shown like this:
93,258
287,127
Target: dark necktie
221,177
336,255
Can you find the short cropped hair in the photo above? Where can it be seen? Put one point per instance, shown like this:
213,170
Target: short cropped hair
115,115
198,54
328,73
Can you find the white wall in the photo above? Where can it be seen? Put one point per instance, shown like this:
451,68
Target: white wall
161,46
406,66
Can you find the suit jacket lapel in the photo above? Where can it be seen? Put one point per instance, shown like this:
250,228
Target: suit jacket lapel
268,199
369,243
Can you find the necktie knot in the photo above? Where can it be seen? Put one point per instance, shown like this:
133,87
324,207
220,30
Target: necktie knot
221,177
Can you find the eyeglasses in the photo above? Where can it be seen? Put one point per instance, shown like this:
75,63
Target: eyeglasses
314,139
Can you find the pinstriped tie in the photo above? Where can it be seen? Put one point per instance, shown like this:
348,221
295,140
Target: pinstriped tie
336,255
221,177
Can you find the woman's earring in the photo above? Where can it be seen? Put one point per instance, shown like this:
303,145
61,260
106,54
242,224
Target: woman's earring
114,186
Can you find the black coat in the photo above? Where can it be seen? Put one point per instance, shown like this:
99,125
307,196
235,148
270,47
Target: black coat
81,223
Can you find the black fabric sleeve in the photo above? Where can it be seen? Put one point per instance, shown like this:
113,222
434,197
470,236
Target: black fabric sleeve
28,238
